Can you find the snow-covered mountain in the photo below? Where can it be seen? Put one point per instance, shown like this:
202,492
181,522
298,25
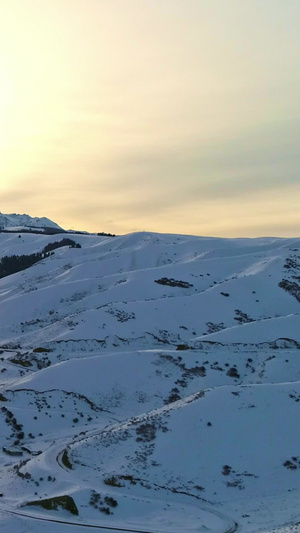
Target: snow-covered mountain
14,221
150,382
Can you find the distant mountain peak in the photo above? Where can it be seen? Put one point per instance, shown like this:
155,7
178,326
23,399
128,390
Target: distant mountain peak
14,220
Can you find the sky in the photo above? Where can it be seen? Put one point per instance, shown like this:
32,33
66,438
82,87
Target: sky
176,116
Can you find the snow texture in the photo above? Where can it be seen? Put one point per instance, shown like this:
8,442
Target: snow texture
154,379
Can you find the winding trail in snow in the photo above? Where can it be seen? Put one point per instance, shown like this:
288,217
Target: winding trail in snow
21,514
56,453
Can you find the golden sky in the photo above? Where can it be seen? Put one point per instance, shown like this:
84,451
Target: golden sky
178,116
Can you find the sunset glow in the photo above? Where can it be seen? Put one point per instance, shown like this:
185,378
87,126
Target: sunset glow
175,116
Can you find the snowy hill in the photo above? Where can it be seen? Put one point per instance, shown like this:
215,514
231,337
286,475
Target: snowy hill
151,382
17,222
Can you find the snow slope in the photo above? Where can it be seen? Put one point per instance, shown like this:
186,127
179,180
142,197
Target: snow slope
153,379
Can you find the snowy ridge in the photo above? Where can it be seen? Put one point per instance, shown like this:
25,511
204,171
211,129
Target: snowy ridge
18,222
154,380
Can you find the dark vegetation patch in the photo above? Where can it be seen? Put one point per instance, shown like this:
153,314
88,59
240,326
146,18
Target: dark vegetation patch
19,361
241,317
53,504
233,373
59,244
295,396
26,360
174,283
174,396
103,234
145,432
194,371
16,428
133,480
36,231
182,347
292,266
214,327
130,478
41,400
292,287
292,263
113,481
14,452
292,464
236,478
121,316
66,461
103,504
16,263
226,470
110,501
